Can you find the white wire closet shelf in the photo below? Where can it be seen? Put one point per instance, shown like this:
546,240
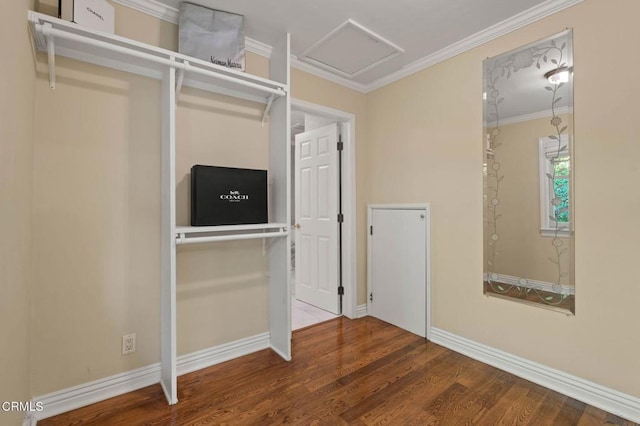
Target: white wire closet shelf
59,37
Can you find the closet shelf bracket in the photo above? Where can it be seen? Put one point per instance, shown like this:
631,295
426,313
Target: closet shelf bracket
265,113
51,54
180,79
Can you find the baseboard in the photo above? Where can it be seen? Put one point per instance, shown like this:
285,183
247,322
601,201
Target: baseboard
361,311
89,393
217,354
607,399
529,283
29,420
281,354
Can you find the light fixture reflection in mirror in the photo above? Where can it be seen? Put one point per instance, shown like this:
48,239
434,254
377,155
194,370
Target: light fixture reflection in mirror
557,75
528,169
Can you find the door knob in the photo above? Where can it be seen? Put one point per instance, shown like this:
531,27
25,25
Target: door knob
297,226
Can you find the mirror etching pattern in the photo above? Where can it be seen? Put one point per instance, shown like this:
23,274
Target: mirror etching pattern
523,86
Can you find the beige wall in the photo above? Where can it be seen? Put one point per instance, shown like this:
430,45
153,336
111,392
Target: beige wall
524,252
16,148
425,137
96,224
222,287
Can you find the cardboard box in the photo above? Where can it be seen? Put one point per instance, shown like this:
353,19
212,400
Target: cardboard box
65,10
96,14
228,196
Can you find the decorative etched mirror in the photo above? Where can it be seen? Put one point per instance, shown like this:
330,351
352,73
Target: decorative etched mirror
528,169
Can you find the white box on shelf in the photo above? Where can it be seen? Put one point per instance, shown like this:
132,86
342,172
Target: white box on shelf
96,14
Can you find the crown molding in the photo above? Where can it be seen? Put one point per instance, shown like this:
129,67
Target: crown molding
531,116
508,25
153,8
257,47
170,14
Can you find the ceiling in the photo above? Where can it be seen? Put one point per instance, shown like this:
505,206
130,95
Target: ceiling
425,31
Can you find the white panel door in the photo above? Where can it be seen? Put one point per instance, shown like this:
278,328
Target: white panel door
316,213
398,267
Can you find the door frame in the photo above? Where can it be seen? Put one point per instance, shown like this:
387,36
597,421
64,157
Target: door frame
347,126
426,207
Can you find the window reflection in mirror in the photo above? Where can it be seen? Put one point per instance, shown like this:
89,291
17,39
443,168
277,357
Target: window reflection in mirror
528,168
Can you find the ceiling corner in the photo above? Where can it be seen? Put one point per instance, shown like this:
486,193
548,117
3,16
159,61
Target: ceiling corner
327,75
501,28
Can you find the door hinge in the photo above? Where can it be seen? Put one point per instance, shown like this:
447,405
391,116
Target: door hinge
340,145
340,291
371,297
371,230
340,218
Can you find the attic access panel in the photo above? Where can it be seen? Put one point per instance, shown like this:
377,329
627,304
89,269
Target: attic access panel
335,51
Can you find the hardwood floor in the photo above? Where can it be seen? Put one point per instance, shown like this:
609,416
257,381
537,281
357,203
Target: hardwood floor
356,372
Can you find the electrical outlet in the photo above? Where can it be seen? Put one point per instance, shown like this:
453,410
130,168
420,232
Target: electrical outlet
128,343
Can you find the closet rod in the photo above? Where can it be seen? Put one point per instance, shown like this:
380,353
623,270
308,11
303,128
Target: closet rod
195,240
162,61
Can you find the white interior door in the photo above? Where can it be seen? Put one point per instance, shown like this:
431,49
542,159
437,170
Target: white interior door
316,214
398,267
